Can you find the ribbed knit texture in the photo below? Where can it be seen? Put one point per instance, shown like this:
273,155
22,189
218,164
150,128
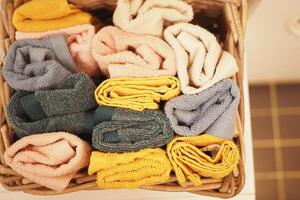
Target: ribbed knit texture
150,16
50,159
212,111
191,160
79,40
32,65
130,170
45,15
123,54
64,107
130,130
137,93
201,62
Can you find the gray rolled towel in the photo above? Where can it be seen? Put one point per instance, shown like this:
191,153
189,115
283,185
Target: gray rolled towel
62,109
32,64
126,130
212,111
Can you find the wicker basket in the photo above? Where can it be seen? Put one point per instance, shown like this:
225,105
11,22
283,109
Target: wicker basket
225,18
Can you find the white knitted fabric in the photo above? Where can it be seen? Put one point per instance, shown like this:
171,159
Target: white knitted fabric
201,62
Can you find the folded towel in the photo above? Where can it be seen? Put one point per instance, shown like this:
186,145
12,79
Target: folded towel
130,170
50,159
79,40
212,111
137,93
129,130
33,65
45,15
63,109
150,16
204,155
122,54
200,59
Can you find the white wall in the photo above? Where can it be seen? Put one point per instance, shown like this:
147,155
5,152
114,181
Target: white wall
273,53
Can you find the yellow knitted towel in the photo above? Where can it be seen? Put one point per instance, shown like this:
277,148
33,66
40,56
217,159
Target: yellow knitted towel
45,15
130,170
190,160
137,93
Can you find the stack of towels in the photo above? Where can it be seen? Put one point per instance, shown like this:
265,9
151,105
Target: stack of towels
114,101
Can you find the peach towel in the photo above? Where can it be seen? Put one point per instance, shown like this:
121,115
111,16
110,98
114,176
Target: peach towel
150,16
201,62
123,54
79,40
50,159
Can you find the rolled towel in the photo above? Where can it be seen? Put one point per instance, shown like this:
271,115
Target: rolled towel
130,170
50,159
63,109
137,93
150,16
33,65
127,130
201,62
122,54
79,40
212,111
45,15
204,155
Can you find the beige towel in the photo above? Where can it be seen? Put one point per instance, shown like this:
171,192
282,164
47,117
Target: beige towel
201,62
50,159
123,54
149,16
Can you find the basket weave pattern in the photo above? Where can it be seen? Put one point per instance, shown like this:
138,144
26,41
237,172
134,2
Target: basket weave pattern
226,18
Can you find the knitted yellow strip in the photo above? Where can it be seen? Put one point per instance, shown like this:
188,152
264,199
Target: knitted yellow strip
137,93
45,15
130,170
189,160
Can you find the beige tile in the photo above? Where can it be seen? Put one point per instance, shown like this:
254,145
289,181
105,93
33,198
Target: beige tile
289,126
266,190
262,127
288,95
259,96
291,187
291,158
264,160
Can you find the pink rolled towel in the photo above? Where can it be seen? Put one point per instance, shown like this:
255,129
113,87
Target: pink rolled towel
150,16
50,159
79,40
123,54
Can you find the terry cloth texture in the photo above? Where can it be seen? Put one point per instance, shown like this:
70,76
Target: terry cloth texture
212,111
50,159
130,170
137,93
123,54
201,62
79,39
129,130
33,65
45,15
62,109
191,160
150,16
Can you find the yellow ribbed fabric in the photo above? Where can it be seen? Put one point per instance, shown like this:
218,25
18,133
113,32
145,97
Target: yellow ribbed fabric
130,170
189,160
45,15
137,93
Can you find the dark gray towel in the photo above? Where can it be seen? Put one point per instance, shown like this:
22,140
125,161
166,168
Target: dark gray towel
212,111
130,130
62,109
33,64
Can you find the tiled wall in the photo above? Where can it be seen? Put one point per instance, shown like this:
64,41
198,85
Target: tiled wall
275,114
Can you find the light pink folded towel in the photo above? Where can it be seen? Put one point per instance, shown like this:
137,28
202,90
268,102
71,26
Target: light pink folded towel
50,159
201,62
123,54
79,40
150,16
